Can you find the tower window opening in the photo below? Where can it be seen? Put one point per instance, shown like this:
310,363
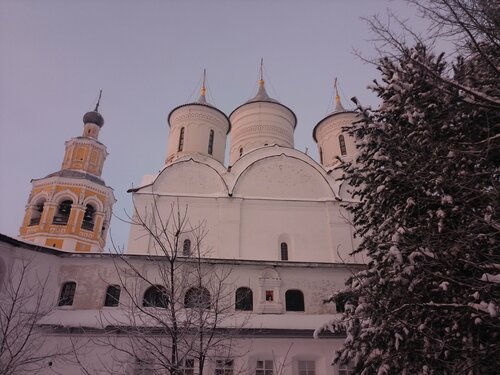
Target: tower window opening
88,218
186,247
63,211
197,297
343,150
294,300
244,299
67,294
112,296
211,143
36,213
155,296
181,140
284,251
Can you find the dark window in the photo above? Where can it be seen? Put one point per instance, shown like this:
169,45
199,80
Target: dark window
88,218
63,211
343,150
241,151
155,296
321,155
264,368
181,140
244,299
284,251
269,295
188,368
112,296
186,248
224,367
36,213
211,143
294,300
197,297
67,294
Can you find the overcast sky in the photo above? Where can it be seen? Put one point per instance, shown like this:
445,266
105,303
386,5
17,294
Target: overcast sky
148,57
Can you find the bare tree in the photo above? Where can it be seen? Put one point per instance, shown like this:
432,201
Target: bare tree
24,300
178,307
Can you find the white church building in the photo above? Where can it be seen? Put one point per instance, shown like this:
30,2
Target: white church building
269,226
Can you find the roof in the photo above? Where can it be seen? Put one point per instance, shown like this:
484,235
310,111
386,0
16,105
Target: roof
75,174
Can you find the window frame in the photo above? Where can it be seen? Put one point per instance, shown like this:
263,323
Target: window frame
308,370
202,295
343,148
290,305
180,146
224,366
160,295
67,294
211,142
243,303
284,251
111,300
264,369
186,247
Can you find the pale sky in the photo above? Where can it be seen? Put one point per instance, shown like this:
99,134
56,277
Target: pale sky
148,57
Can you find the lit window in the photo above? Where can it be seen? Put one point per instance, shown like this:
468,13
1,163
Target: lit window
67,294
155,296
294,300
284,251
224,367
188,368
211,143
307,368
186,247
181,140
112,296
197,297
343,150
244,299
63,211
88,218
264,368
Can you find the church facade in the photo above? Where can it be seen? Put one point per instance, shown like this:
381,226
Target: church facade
270,227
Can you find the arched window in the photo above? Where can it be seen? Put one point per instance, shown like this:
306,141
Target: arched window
197,297
211,143
284,251
88,218
241,151
181,140
112,296
343,150
67,294
294,300
155,296
186,247
63,211
244,299
36,213
321,155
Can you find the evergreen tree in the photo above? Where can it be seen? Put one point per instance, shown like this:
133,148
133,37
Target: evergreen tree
427,182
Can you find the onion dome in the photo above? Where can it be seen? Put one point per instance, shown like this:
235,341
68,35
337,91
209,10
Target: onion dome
93,117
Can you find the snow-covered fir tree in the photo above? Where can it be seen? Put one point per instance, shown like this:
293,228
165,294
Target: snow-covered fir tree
427,183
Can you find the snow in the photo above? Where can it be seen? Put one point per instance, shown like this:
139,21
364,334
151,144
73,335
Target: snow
444,285
491,278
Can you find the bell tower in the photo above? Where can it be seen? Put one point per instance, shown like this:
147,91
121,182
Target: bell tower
71,208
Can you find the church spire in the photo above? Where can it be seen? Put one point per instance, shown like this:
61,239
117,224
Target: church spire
202,99
262,95
338,104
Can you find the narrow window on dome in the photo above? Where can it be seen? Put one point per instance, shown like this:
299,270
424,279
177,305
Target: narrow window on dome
181,140
241,151
343,150
284,251
321,155
211,143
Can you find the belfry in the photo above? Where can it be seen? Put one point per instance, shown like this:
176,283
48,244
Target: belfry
71,208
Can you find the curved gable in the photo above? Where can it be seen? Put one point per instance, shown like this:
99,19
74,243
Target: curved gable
189,177
282,177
